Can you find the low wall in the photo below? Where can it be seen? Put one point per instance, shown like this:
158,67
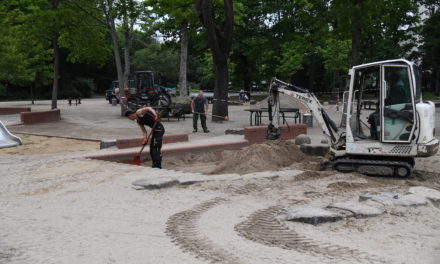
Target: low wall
13,110
40,116
257,134
252,135
166,152
137,142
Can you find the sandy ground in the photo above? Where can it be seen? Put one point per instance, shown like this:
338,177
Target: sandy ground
47,145
57,207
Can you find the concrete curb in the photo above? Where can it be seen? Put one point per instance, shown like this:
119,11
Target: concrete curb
13,110
52,136
127,157
137,142
40,116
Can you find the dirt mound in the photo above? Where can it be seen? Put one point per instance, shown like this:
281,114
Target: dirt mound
342,185
312,175
270,155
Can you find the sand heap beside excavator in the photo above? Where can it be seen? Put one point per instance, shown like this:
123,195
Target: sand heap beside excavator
382,141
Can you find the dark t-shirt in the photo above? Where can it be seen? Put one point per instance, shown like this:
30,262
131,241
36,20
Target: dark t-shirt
199,104
147,119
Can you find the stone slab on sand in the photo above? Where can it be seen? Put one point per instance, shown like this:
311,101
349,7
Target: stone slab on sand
155,183
430,194
390,199
357,208
315,149
308,214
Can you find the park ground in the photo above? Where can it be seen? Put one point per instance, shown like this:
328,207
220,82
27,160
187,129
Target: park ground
58,207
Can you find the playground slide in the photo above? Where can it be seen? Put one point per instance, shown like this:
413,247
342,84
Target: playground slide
7,139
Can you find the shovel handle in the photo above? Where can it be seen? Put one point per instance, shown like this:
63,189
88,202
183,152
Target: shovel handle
148,138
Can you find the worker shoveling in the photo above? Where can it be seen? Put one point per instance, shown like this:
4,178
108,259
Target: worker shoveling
400,128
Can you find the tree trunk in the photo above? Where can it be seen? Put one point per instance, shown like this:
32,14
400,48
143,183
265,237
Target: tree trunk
184,36
127,46
220,102
219,41
437,81
115,41
32,93
311,74
126,62
247,75
56,61
56,69
356,32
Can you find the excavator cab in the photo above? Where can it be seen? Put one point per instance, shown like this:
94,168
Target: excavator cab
400,127
393,88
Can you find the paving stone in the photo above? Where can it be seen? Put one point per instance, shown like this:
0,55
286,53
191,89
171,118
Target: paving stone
302,139
410,200
315,149
430,194
107,143
357,208
392,199
235,131
385,198
308,214
155,183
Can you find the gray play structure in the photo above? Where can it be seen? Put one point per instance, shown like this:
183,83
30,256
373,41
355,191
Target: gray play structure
7,139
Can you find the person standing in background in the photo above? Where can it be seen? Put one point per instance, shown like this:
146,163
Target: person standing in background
198,106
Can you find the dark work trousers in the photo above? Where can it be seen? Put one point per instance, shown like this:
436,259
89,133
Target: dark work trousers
202,120
156,146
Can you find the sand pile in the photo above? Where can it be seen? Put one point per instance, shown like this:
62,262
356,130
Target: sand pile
270,155
267,156
47,145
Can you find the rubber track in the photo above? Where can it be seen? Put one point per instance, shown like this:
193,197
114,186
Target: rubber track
262,227
388,163
182,228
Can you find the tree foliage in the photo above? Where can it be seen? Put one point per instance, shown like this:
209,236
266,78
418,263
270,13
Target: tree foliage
311,43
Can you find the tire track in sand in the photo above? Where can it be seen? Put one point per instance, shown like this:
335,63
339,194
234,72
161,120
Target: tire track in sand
264,228
182,228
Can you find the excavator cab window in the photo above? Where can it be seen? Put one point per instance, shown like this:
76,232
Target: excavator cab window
398,104
365,118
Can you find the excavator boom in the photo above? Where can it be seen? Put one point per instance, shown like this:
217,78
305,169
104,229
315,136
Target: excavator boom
308,99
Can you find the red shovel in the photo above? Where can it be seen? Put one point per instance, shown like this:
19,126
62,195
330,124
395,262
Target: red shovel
137,158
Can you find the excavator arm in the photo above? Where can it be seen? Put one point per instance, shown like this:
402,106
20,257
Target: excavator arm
309,100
